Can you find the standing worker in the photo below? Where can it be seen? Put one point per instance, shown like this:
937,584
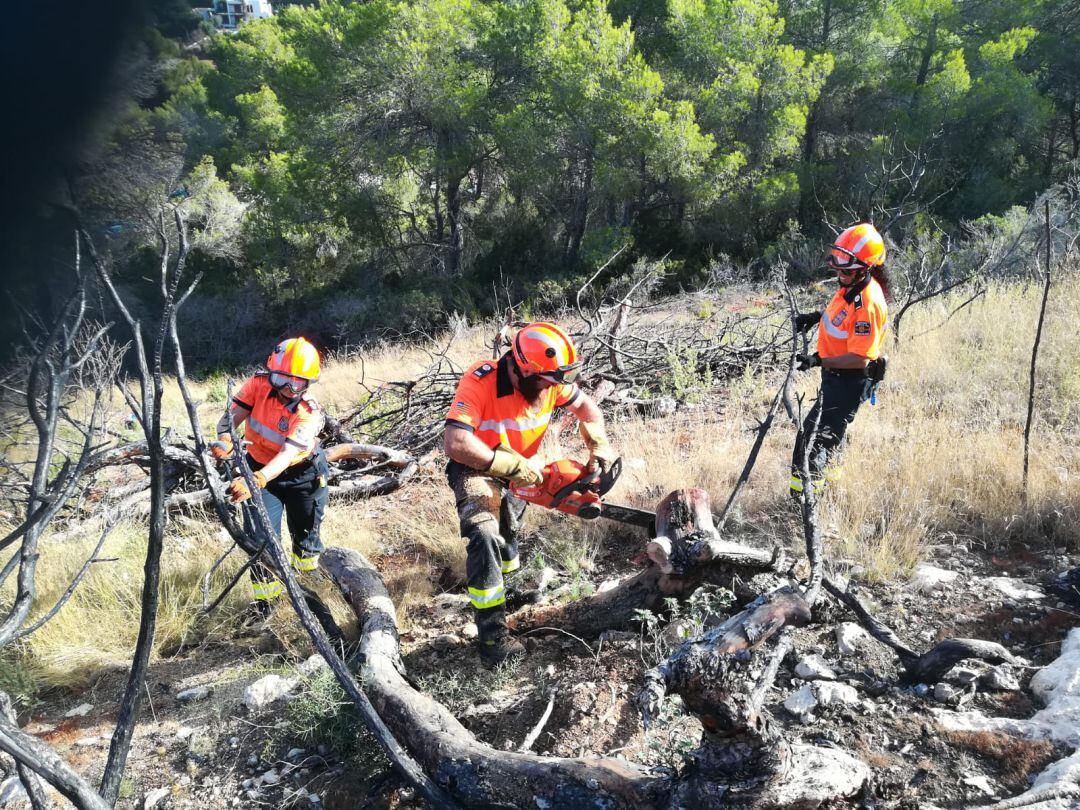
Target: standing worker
500,413
848,349
283,424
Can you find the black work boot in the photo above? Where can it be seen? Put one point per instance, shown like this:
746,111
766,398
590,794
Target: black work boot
496,644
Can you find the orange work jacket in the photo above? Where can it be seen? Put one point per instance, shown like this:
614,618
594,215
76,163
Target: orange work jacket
854,321
487,404
271,423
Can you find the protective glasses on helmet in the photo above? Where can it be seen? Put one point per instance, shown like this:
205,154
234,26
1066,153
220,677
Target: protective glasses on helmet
297,385
562,375
844,260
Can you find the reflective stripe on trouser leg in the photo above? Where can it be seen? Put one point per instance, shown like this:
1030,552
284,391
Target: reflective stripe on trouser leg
478,498
267,590
483,598
304,563
264,582
511,565
796,484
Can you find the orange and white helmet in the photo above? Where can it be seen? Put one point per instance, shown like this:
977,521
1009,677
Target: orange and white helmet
295,357
546,350
859,246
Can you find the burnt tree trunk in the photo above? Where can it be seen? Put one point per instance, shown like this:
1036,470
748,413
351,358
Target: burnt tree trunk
687,553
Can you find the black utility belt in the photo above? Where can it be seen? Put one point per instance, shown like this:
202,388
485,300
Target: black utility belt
875,370
845,372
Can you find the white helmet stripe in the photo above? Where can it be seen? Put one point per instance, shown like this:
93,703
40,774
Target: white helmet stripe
550,340
860,244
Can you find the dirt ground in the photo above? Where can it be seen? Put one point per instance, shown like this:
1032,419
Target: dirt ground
213,752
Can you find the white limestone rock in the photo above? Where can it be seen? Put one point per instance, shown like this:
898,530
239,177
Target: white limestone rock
1013,588
929,578
266,690
814,668
850,637
155,798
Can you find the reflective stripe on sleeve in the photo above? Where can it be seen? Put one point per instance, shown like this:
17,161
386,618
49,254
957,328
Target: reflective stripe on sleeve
487,597
833,331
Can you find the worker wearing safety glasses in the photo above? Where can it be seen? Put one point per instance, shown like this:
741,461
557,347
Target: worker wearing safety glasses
850,334
499,415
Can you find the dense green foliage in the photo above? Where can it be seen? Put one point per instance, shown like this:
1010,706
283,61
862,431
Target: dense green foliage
394,159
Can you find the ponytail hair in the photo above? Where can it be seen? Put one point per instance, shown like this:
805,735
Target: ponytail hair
881,276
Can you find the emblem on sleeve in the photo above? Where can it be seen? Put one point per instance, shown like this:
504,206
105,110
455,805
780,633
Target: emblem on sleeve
484,370
283,424
862,327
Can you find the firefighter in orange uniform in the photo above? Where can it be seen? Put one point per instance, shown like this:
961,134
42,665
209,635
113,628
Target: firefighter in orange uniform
282,424
850,335
499,415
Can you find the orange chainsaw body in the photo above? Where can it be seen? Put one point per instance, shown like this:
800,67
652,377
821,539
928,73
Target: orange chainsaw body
564,489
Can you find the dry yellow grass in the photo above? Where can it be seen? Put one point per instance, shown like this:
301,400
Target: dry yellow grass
939,456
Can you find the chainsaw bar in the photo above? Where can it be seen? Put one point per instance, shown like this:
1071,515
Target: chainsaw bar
629,514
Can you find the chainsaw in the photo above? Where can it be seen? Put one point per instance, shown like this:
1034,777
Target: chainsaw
568,487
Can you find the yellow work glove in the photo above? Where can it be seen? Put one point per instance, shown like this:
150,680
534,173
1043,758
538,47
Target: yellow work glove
223,448
601,454
515,468
239,491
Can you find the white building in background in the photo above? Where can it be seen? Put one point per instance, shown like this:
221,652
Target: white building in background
228,15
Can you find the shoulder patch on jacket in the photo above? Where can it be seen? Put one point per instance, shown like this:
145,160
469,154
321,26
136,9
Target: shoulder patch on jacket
862,327
483,371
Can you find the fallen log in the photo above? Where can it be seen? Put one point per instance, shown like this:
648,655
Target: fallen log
474,773
477,775
933,664
687,554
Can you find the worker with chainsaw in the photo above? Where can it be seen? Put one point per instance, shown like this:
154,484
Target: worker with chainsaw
494,427
850,334
281,427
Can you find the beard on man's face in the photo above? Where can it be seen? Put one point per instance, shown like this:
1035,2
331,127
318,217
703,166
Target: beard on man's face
531,388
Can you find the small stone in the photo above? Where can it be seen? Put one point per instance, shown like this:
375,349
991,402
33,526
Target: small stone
252,760
849,637
234,742
271,777
193,694
944,692
247,783
86,742
81,710
295,753
801,702
814,668
184,732
266,690
830,694
445,642
312,666
469,631
185,780
922,689
999,679
154,798
929,578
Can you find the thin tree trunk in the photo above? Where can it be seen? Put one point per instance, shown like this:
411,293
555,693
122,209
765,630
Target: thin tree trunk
575,231
1035,355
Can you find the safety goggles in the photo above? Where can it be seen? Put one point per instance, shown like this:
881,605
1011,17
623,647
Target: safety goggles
846,262
562,376
297,385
